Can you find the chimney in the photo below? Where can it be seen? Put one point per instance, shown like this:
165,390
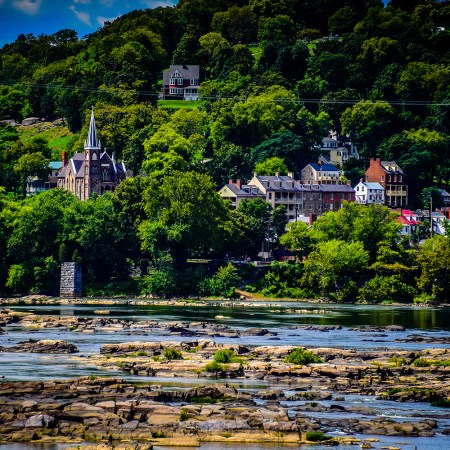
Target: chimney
277,174
349,183
255,174
239,184
230,181
291,174
64,159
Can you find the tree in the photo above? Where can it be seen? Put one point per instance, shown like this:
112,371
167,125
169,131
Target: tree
368,225
334,263
297,238
238,25
272,166
285,145
257,214
31,164
190,212
434,260
368,123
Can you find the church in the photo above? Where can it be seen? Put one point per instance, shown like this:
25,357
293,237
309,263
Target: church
90,172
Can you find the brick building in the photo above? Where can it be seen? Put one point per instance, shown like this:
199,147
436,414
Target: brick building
392,178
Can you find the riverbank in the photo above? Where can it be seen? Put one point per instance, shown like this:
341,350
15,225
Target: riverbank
179,382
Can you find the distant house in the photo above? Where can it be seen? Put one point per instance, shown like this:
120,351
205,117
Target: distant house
409,222
369,193
302,199
334,194
280,190
38,184
391,177
236,192
181,82
320,173
437,220
445,197
336,151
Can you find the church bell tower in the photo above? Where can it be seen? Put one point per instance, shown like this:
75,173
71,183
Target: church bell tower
92,166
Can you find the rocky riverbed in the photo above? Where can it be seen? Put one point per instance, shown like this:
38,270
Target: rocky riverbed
311,399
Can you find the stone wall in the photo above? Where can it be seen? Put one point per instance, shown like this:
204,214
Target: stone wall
71,285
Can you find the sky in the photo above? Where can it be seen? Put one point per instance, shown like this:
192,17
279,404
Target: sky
50,16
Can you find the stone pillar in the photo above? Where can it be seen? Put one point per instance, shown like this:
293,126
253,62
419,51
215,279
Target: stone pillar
70,280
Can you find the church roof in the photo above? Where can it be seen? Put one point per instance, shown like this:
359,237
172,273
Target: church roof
92,140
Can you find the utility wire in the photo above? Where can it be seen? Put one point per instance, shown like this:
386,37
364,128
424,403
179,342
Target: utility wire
237,98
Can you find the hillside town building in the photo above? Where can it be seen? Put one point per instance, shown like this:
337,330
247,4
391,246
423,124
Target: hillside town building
392,178
369,193
180,82
90,172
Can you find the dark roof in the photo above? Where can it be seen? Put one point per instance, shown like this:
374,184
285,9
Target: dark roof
345,188
277,183
324,167
385,164
246,190
185,71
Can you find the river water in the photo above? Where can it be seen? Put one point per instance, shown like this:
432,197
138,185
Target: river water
290,322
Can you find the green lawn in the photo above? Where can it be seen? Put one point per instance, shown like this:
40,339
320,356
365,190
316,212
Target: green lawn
59,138
179,104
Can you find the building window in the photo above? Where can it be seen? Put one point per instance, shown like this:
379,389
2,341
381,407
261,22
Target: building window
270,195
395,178
331,196
389,178
194,81
180,81
400,178
382,177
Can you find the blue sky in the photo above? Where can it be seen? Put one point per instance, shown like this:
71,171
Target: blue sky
49,16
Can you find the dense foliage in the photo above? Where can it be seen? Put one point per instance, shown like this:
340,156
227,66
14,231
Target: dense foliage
276,77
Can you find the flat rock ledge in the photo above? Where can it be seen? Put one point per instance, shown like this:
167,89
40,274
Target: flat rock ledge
90,409
42,346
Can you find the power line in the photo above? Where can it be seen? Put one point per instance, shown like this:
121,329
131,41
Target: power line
237,98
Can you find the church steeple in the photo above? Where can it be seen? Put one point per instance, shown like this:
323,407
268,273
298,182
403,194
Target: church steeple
92,140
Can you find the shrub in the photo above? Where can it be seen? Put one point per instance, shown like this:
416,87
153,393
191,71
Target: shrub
317,436
422,362
184,415
172,353
226,356
160,283
302,357
214,367
382,288
222,284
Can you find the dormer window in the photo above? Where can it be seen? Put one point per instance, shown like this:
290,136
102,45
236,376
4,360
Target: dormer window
180,81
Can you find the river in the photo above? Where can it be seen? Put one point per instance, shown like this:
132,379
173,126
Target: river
290,322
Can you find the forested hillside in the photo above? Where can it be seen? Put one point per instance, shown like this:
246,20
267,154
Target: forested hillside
276,77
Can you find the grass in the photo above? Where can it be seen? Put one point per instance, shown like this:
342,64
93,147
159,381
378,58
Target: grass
179,104
59,138
256,51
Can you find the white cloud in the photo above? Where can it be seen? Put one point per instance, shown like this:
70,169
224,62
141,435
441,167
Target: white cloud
31,7
83,17
101,20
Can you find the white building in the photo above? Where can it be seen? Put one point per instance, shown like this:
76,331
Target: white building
369,193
